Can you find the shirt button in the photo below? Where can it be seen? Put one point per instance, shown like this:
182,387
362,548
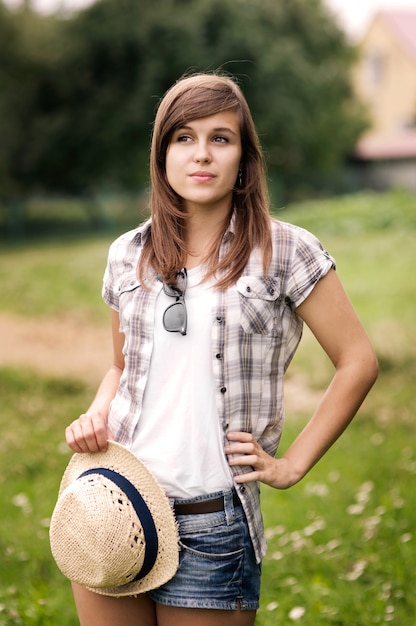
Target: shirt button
248,288
223,389
219,355
220,319
271,291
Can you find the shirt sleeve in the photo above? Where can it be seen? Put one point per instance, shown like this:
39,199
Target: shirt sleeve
310,263
110,290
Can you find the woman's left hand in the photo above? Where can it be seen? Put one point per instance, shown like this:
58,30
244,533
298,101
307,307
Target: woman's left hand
244,450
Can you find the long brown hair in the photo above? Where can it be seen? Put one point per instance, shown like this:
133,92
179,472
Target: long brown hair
194,97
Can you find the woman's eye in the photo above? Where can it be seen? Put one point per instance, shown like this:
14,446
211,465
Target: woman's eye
220,139
183,138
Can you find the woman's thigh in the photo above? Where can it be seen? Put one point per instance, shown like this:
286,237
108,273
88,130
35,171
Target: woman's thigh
174,616
98,610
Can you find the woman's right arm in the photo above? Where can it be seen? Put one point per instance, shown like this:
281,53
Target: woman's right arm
90,433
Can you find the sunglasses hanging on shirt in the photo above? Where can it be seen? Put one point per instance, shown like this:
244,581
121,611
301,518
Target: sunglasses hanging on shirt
175,316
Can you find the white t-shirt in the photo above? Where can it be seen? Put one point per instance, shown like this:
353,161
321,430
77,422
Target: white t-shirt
178,434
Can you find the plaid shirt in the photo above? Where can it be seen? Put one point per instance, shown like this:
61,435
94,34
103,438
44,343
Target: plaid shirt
255,333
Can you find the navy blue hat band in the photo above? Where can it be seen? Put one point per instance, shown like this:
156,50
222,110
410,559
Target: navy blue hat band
142,511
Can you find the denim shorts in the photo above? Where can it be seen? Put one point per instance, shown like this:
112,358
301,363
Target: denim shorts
217,567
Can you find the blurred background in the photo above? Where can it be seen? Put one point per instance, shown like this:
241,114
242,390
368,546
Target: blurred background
332,87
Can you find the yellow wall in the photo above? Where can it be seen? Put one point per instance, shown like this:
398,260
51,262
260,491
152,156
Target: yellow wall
385,79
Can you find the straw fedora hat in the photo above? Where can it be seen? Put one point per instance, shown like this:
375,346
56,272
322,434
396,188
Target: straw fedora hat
113,529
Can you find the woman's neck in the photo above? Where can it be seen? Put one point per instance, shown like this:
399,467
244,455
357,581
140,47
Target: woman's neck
202,234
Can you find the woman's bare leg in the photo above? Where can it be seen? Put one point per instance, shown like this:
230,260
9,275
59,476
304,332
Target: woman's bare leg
174,616
97,610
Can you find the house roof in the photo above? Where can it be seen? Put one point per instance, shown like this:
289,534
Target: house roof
377,148
403,24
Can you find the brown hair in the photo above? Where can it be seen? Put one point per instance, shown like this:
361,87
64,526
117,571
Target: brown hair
191,98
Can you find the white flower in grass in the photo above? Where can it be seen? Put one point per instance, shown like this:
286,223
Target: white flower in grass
406,537
316,489
334,543
355,509
328,547
269,533
365,490
397,499
297,613
277,556
385,591
318,524
370,527
22,502
284,540
329,610
272,606
356,571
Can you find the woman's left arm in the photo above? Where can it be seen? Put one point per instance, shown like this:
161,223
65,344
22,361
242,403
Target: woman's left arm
330,316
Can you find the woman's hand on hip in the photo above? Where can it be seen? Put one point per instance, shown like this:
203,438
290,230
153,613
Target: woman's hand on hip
88,433
244,450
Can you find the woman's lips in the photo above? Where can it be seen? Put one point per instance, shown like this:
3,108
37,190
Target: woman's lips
202,176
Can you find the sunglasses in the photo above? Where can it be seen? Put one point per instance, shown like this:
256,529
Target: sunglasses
175,317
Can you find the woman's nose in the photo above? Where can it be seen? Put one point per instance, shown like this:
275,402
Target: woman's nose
202,152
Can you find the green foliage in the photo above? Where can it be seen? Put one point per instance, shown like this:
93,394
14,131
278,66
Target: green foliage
30,55
52,279
78,95
32,459
341,543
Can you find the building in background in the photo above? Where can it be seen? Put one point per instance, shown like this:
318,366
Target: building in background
385,79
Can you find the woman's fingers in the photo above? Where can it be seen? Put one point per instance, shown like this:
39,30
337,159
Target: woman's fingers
88,433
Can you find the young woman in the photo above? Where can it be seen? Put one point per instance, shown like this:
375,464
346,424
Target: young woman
208,299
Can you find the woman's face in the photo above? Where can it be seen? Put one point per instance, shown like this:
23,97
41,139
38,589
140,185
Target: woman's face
203,159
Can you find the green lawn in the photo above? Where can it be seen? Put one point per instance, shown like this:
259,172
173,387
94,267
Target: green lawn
341,543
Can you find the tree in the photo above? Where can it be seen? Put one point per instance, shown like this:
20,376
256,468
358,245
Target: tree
89,105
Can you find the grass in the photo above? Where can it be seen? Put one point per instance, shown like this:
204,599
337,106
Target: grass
341,543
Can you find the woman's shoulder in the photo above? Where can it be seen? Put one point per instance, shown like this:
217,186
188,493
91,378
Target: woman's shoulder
292,243
288,234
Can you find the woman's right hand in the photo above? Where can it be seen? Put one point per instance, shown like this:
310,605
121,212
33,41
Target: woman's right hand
88,433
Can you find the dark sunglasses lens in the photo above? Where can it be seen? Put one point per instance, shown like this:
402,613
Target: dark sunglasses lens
174,318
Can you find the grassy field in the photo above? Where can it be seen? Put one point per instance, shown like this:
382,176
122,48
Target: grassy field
341,543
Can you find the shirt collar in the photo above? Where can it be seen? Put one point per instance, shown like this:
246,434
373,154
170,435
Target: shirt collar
143,232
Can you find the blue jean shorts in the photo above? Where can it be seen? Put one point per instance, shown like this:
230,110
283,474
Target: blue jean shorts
217,567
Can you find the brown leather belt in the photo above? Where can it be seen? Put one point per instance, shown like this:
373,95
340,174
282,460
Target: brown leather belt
205,506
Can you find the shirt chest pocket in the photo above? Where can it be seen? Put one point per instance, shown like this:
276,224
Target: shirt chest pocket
129,292
259,303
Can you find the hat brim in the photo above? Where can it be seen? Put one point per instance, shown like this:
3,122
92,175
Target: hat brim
121,460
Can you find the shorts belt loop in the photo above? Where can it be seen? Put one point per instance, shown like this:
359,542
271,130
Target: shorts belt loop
229,507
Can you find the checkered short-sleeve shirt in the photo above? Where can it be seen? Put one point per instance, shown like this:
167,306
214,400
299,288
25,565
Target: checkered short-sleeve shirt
255,333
